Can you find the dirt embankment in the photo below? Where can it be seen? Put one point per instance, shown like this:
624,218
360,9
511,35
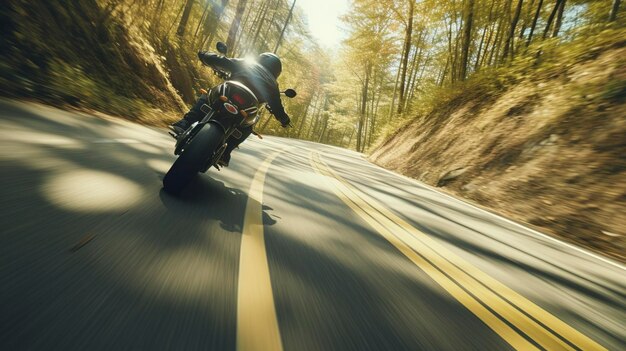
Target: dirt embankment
549,151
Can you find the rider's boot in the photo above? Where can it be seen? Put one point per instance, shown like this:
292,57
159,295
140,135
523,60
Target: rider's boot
225,159
180,126
194,115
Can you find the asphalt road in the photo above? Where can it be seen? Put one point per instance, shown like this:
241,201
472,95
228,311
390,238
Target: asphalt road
296,246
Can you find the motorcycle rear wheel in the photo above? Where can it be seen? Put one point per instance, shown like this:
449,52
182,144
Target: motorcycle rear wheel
193,158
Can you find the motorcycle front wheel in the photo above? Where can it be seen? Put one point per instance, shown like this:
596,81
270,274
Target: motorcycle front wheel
193,158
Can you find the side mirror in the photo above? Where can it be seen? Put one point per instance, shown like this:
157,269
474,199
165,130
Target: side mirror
290,93
221,48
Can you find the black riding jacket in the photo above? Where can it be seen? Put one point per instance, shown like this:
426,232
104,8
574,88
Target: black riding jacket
252,75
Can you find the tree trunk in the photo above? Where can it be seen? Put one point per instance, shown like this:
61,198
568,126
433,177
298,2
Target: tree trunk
244,26
304,115
485,53
405,55
534,24
480,49
202,20
316,123
323,129
370,110
451,53
282,32
156,17
234,25
343,136
508,46
359,137
212,25
467,37
265,34
417,60
182,25
395,93
557,5
257,25
169,30
444,72
417,79
559,20
529,11
614,10
498,44
351,136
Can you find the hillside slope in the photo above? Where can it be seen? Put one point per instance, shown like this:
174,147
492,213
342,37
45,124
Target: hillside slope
81,54
548,150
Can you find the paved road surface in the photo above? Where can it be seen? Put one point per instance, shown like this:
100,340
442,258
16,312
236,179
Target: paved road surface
296,246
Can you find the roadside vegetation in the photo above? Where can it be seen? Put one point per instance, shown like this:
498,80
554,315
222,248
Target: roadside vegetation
520,108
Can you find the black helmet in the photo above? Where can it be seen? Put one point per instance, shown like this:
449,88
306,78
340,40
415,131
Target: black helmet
271,62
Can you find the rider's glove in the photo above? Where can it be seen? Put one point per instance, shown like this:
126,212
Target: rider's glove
201,56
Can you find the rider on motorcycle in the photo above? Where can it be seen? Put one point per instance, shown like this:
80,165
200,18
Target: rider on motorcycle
259,76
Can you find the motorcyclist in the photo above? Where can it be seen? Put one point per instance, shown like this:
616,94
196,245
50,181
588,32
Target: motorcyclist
258,75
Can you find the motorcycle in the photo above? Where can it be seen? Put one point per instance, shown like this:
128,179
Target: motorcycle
231,105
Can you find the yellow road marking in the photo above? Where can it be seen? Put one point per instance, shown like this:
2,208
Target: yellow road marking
435,260
257,326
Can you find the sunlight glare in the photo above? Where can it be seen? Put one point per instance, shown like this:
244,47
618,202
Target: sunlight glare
159,165
89,191
324,22
249,60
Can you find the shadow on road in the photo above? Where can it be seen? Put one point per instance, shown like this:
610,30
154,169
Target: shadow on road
222,203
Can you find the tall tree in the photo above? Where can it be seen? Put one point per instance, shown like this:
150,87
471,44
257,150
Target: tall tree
202,20
508,46
282,32
552,16
211,23
534,23
236,23
559,20
360,145
408,31
182,25
614,10
467,37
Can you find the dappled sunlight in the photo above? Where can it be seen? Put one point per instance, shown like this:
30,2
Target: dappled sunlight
133,131
36,157
40,138
145,148
58,116
91,191
159,165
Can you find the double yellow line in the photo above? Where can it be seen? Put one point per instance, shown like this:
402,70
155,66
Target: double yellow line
521,323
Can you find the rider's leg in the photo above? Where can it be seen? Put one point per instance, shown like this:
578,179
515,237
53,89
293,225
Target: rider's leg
232,144
194,115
